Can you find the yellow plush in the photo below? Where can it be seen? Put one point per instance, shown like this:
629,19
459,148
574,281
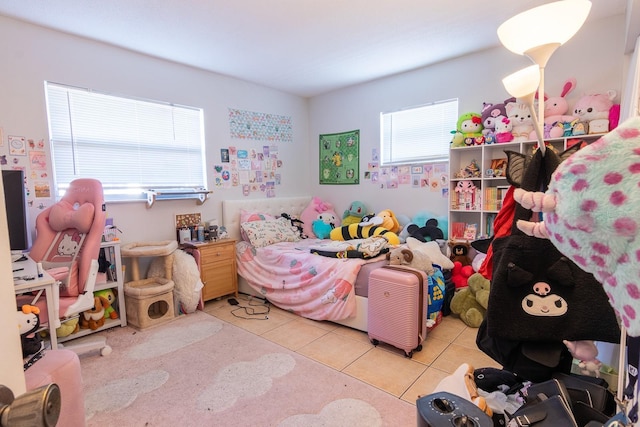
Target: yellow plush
68,327
389,220
355,231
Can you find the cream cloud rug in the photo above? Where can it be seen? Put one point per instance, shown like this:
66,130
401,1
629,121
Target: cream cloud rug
201,371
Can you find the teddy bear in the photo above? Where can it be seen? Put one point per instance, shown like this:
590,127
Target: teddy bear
414,259
460,252
470,303
94,318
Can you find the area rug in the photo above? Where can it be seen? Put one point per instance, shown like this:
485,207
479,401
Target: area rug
201,371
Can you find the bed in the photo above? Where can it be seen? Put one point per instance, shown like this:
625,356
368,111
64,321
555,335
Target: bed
290,277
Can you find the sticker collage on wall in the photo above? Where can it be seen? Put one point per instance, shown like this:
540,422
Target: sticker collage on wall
254,169
30,155
432,177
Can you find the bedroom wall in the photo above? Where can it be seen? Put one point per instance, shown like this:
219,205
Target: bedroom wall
33,54
594,57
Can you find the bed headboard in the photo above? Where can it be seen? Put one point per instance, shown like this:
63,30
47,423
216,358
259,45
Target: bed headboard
273,206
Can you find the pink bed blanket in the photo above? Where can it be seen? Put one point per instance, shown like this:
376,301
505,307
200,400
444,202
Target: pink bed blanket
290,277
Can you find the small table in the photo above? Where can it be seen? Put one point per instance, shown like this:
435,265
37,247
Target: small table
28,268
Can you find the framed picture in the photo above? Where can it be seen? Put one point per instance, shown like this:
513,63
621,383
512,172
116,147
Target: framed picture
340,158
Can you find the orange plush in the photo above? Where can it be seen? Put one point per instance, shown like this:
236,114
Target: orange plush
94,318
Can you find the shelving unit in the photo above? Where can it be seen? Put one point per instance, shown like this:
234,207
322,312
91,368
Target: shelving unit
474,207
115,281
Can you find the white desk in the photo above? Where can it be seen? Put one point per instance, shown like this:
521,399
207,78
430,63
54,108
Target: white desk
28,268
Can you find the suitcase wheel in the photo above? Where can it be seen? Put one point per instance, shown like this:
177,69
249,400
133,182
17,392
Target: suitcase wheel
408,354
375,342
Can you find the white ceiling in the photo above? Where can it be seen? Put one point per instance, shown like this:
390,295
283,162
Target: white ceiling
304,47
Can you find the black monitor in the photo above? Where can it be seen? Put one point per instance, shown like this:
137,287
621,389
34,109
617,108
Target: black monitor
15,200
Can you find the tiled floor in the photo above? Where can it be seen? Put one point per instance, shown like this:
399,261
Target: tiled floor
349,351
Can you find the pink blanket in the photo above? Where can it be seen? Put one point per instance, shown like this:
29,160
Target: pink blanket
290,277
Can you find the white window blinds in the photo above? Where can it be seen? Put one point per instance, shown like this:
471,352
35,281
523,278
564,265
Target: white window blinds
130,145
418,135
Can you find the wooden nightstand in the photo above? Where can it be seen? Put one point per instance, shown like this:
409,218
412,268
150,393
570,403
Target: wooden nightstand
218,268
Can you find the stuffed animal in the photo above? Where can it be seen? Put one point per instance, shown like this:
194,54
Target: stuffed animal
296,224
355,231
385,219
108,294
432,250
354,214
490,115
28,324
586,353
520,117
468,130
594,110
504,129
68,327
460,274
590,213
555,111
94,318
470,303
323,225
460,252
418,260
311,212
429,232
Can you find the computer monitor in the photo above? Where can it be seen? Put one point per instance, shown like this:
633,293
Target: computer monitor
15,199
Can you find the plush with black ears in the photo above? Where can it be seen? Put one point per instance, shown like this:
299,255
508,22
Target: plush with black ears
428,233
460,252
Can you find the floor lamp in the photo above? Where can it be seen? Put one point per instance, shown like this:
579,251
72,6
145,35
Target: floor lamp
537,33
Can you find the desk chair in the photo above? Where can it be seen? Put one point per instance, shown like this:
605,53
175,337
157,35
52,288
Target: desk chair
68,236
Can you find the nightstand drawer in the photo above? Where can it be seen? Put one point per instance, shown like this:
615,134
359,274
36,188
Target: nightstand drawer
217,252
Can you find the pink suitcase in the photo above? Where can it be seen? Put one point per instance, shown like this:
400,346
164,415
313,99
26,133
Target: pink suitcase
397,307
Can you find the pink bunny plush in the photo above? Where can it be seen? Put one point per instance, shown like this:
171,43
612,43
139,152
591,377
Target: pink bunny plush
555,110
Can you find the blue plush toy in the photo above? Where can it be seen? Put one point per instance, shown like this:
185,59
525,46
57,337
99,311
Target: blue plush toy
354,214
323,225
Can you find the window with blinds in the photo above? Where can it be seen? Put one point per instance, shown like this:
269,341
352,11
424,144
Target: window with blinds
130,145
418,135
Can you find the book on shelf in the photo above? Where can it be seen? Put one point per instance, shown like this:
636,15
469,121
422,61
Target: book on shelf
470,232
457,230
490,218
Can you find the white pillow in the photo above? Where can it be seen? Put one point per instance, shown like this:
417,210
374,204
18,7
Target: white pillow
268,232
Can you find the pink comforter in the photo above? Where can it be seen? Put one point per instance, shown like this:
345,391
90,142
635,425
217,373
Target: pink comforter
290,277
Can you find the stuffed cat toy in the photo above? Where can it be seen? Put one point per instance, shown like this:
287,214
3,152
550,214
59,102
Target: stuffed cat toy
521,121
590,213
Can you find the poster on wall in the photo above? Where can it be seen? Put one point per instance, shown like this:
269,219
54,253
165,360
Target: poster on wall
340,158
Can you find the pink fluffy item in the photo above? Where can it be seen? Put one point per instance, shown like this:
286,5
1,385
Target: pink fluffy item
313,211
520,117
594,110
590,213
586,353
555,110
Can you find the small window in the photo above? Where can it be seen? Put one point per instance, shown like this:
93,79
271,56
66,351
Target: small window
418,135
128,144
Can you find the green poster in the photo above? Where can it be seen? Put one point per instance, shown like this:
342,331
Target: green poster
339,158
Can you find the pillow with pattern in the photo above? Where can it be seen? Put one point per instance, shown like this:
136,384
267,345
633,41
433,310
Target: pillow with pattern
268,232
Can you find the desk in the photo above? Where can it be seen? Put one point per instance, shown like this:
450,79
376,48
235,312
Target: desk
47,283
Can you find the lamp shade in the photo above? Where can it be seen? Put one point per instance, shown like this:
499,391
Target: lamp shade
552,24
523,83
